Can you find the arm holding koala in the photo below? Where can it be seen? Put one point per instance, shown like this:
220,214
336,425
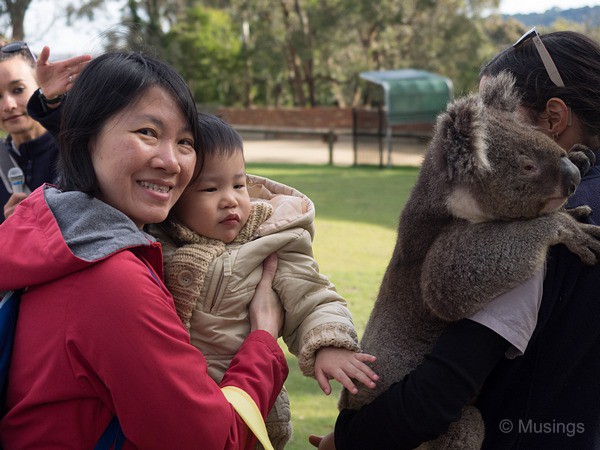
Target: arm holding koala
482,260
481,256
453,372
450,376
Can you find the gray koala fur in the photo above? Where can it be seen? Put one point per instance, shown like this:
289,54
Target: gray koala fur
481,217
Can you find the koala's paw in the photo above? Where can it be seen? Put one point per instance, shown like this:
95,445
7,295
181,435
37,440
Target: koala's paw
583,240
583,157
579,212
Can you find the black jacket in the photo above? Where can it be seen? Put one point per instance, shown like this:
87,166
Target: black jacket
549,398
38,161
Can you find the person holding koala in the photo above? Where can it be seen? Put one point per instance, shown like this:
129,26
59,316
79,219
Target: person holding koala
529,391
525,402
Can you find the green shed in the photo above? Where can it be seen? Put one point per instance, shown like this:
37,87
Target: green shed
410,96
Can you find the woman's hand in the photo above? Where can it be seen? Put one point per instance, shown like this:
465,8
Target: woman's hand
322,442
56,78
266,311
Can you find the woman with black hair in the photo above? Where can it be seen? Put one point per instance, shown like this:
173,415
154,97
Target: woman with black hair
97,334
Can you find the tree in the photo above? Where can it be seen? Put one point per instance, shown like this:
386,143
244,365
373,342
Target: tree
145,22
15,9
206,49
307,52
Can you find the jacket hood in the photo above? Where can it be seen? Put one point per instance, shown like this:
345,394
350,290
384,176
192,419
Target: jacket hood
291,208
53,234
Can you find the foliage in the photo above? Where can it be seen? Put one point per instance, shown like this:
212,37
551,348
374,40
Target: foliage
205,48
584,15
311,52
15,10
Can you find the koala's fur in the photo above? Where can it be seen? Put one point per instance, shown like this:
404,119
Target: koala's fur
481,217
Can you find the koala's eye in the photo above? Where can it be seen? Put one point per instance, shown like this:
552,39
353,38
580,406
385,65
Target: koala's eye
527,164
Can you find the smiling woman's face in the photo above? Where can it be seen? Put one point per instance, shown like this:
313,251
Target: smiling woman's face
144,157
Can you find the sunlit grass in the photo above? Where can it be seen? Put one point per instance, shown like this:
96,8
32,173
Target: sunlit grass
357,214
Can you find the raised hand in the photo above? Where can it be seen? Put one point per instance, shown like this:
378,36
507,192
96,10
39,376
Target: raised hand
56,78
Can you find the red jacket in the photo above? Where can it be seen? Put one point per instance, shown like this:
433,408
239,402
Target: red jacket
98,335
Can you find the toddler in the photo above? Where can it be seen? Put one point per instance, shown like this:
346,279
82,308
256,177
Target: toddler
215,240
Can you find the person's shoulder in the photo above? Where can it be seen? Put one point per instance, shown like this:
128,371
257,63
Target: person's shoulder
121,282
121,271
126,259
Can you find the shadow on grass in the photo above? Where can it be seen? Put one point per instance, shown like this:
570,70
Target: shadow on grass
356,194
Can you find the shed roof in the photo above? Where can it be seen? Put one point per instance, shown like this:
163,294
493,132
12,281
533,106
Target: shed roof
410,95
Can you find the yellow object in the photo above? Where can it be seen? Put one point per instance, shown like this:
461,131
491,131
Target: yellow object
249,412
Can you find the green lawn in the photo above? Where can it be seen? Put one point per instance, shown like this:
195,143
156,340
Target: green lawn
357,214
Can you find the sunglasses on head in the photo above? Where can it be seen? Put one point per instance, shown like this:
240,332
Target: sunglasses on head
16,47
543,52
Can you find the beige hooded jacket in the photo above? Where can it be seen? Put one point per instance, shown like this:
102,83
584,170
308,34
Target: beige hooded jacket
213,283
315,314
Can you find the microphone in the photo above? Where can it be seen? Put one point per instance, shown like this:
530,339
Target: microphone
16,179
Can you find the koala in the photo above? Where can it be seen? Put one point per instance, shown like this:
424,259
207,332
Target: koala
486,207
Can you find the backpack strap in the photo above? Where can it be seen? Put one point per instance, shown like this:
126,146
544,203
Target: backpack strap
9,311
247,409
112,437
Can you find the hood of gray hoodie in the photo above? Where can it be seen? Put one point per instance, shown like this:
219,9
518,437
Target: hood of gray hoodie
91,228
54,233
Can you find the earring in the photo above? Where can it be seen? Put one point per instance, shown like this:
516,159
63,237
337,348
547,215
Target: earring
555,136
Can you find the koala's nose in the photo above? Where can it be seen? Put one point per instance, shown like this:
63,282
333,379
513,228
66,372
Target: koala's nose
570,175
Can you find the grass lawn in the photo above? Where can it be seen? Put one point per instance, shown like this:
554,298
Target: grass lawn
357,214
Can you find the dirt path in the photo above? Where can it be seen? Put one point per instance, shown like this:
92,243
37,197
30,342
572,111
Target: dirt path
314,151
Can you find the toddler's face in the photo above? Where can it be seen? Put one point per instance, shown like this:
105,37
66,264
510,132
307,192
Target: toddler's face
217,205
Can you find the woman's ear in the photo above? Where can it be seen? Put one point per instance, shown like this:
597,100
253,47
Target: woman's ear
556,118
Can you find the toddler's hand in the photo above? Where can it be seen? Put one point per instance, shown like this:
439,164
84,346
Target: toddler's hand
343,365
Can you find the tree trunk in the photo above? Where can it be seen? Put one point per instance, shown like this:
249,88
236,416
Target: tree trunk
16,11
293,60
307,61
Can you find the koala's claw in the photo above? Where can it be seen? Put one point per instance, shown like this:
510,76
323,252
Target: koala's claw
585,243
583,157
579,212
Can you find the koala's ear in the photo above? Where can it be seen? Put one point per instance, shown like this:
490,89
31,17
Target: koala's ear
459,141
499,92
